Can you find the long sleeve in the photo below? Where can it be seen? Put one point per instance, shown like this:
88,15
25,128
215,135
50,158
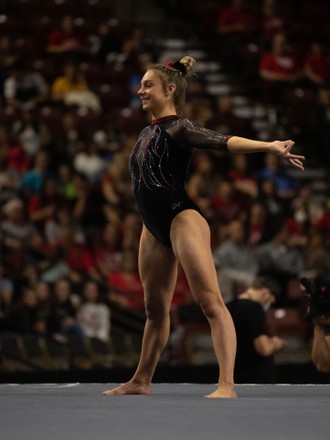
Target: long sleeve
190,135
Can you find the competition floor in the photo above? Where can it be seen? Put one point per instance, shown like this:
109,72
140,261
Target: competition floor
173,412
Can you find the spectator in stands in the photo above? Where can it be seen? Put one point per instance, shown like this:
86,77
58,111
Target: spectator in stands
90,163
323,222
63,312
66,39
225,119
68,140
105,45
227,203
33,178
303,211
298,224
273,20
316,65
17,230
255,347
125,295
321,344
8,59
323,125
52,228
279,68
72,89
241,176
198,94
274,206
317,255
278,259
256,223
55,268
26,314
9,183
6,292
28,276
235,18
77,254
93,315
43,205
38,251
108,140
86,203
106,250
31,132
12,153
44,297
134,46
125,285
116,183
309,200
24,88
236,263
317,290
286,186
236,24
202,182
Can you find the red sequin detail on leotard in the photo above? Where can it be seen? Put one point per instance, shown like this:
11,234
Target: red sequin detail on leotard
164,119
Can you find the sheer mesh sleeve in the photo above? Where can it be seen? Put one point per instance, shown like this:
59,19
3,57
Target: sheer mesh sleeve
190,135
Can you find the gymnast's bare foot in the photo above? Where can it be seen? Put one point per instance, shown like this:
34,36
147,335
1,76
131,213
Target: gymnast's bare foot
129,388
223,392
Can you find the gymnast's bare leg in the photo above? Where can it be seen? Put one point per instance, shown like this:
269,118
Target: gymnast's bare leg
158,272
190,236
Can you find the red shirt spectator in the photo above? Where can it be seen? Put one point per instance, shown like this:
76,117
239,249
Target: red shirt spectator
42,206
107,250
227,204
76,255
125,285
65,39
273,20
323,223
12,152
235,18
279,64
317,64
17,158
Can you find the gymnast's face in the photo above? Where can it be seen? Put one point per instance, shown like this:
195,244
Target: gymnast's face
156,96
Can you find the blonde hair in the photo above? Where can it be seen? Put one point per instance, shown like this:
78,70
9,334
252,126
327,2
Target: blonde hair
178,73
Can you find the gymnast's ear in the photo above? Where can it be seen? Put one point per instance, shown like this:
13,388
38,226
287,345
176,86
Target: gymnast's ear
171,88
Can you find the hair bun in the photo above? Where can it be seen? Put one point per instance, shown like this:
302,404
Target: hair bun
189,63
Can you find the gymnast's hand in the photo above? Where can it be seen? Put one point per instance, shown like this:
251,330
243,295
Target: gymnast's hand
283,149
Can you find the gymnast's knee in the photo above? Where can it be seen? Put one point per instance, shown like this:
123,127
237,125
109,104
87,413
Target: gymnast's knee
156,314
212,309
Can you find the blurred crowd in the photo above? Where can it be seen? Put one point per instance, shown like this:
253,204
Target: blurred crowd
69,116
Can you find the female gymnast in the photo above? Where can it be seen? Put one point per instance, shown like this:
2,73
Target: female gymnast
174,229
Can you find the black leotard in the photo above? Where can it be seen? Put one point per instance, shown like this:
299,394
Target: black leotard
159,164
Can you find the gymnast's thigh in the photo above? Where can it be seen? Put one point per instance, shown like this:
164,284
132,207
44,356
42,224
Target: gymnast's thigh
158,270
190,236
